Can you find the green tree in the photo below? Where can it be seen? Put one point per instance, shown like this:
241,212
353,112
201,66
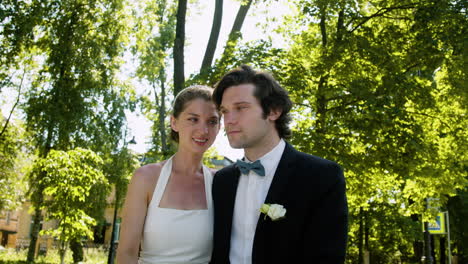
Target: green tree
17,22
370,81
458,213
154,39
71,176
73,100
13,165
119,167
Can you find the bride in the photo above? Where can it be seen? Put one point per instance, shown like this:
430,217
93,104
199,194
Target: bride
168,213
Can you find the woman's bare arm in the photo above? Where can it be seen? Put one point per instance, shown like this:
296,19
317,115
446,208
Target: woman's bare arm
140,191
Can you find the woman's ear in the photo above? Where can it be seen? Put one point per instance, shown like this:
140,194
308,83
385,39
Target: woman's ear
174,123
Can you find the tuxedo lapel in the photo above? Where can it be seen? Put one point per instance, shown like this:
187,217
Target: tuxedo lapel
277,188
225,189
280,180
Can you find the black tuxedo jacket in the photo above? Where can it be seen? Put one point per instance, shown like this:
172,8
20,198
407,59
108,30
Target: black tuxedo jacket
315,226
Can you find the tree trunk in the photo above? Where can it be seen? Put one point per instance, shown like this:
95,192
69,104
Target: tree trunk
418,248
433,253
235,33
366,238
162,116
361,237
443,256
37,199
62,251
77,250
321,100
36,227
179,42
240,18
214,35
323,28
321,104
13,108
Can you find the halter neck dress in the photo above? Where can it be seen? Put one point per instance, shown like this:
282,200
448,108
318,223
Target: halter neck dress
173,236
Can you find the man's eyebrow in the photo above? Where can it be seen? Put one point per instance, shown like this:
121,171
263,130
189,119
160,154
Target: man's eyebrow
237,103
192,114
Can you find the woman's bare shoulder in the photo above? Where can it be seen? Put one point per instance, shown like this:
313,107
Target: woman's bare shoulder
148,173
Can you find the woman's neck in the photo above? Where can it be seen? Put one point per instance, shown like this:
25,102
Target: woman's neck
187,163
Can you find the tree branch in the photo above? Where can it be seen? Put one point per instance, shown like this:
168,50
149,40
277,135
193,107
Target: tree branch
5,82
342,106
214,35
302,104
13,108
431,116
379,13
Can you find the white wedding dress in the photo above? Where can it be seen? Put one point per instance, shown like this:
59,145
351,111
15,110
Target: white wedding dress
173,236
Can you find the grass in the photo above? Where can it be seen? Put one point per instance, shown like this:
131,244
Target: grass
91,256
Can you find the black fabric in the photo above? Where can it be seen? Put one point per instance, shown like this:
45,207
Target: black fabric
315,226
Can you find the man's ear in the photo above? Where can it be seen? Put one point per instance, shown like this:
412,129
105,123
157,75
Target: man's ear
174,123
274,114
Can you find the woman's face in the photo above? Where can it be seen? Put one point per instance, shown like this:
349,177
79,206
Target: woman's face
197,125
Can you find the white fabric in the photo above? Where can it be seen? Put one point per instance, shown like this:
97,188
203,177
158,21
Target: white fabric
251,194
173,236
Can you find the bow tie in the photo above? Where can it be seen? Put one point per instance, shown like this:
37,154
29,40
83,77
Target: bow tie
256,167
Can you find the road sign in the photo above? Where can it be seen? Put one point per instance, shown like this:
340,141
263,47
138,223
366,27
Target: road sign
438,227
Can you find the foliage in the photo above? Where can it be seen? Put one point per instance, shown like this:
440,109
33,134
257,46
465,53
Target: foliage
209,155
71,177
80,42
91,256
73,100
13,163
458,213
155,33
118,169
387,234
17,21
372,91
258,53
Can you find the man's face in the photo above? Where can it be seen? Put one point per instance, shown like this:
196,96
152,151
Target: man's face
243,117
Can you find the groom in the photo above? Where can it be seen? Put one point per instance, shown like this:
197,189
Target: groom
311,190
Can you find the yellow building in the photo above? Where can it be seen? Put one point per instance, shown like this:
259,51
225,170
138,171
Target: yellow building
15,229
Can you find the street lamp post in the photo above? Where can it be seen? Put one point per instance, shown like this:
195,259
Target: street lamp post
427,241
112,248
114,235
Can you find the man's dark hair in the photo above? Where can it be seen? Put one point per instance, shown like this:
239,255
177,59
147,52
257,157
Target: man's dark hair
268,92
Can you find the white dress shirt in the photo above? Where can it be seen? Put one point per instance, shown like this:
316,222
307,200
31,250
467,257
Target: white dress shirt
251,194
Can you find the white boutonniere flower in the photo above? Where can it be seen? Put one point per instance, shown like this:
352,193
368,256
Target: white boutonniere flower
274,211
